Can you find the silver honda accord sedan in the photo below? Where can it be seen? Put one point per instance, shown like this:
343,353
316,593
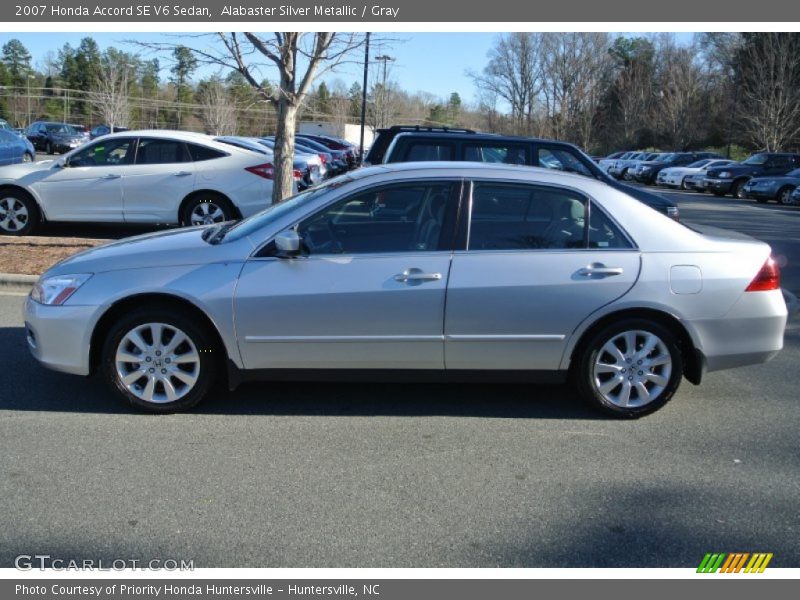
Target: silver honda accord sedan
445,271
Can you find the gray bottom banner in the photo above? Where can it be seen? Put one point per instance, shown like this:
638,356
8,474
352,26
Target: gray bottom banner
398,589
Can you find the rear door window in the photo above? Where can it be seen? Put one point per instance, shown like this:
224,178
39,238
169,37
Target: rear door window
524,217
510,154
428,151
156,151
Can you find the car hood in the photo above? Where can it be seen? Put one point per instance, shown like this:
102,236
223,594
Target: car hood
175,247
22,169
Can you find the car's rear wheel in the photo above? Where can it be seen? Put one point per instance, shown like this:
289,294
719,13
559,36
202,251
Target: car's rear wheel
159,361
19,213
630,368
684,186
785,196
207,209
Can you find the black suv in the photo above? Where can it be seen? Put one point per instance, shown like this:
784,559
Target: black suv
53,137
414,144
732,178
648,171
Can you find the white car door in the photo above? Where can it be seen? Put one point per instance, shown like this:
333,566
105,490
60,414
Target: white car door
161,176
88,187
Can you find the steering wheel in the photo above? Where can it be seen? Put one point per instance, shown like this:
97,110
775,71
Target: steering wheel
315,244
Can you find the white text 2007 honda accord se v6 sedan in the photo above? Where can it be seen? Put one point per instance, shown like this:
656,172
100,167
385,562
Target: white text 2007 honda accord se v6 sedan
426,270
137,177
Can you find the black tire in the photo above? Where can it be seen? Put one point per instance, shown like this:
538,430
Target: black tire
684,186
737,191
719,194
212,202
202,341
48,149
25,211
27,157
761,200
785,196
625,176
588,382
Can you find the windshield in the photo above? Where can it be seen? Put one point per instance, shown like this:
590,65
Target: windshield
699,163
243,144
756,159
59,129
277,211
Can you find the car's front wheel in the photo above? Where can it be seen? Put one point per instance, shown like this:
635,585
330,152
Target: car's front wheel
785,196
19,213
207,210
738,190
27,157
159,360
630,368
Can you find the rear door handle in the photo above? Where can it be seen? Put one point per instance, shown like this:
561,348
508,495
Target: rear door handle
111,176
600,269
416,275
182,173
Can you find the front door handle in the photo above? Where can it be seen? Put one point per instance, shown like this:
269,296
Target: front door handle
111,176
182,173
416,275
600,270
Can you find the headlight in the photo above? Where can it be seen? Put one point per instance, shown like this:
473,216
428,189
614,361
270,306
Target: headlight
725,174
56,290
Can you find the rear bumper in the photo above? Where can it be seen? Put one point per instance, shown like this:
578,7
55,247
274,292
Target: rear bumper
751,332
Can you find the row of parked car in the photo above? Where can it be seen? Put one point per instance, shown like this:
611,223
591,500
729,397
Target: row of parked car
159,177
763,176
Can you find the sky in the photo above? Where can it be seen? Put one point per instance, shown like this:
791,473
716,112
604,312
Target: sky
436,63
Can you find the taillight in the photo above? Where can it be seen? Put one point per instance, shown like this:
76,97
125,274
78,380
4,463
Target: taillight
267,170
768,278
298,174
324,159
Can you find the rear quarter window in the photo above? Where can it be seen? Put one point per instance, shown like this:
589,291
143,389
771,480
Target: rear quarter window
200,153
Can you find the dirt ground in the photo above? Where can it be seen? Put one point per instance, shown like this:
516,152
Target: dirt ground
33,255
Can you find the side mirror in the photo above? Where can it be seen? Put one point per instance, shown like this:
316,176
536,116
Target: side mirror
287,243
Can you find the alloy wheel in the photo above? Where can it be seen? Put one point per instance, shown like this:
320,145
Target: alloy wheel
632,369
13,214
207,213
157,363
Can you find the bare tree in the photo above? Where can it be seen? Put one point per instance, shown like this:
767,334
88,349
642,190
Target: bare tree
514,75
219,111
574,68
681,96
109,95
770,89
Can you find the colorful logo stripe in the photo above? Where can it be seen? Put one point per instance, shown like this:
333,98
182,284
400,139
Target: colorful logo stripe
734,562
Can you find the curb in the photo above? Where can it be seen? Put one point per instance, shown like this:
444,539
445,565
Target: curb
12,283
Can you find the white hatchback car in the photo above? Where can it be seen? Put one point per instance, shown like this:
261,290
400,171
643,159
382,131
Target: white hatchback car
169,177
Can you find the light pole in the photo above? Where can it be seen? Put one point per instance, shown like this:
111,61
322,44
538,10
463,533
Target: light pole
28,82
384,58
364,98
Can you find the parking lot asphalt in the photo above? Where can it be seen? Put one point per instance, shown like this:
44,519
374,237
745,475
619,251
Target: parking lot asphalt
388,475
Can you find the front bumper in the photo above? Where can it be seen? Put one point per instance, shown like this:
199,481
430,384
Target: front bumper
668,180
59,336
644,176
764,193
717,185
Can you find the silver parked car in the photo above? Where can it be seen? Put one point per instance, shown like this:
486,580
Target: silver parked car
434,270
